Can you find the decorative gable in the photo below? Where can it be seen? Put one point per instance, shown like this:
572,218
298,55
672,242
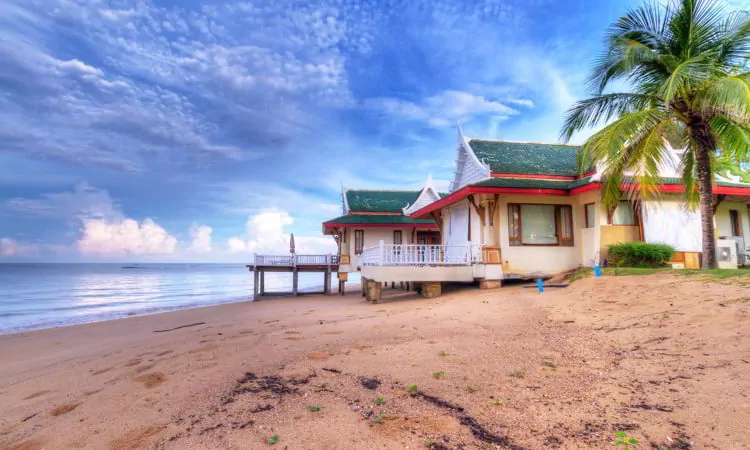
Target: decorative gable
469,169
427,195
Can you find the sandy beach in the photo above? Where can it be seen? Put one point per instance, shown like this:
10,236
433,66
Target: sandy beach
664,358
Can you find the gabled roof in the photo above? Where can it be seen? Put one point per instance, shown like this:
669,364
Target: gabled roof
379,201
527,157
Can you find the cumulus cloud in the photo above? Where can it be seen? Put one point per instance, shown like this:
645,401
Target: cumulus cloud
125,237
266,232
443,109
11,247
200,236
83,202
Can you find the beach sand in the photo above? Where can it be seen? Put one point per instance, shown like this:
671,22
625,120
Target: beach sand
664,358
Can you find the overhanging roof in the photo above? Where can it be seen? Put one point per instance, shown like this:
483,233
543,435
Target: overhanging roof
532,158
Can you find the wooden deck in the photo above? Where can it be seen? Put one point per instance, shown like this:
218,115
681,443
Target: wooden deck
325,264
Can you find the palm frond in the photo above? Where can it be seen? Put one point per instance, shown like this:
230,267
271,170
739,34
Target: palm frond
733,138
728,95
687,170
690,72
602,108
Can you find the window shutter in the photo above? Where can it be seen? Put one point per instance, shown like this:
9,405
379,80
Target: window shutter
397,237
359,241
564,224
514,224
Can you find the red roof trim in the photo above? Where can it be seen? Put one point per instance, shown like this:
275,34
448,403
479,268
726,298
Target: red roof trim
532,176
585,188
468,190
668,188
375,213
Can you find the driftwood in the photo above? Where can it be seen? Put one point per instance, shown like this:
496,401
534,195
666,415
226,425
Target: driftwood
181,326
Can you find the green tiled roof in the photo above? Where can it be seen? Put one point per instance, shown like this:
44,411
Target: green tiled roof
524,183
383,219
380,201
527,158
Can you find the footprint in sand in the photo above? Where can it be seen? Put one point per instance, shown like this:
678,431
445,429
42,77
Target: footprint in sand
140,438
205,348
63,409
151,380
165,352
333,332
32,444
133,362
292,332
101,371
144,368
318,356
36,394
294,338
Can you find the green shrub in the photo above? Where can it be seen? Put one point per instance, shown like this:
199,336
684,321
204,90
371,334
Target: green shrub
640,254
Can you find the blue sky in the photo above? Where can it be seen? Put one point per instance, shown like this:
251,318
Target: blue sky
204,131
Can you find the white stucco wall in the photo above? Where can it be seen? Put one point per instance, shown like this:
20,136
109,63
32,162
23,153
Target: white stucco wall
722,222
372,237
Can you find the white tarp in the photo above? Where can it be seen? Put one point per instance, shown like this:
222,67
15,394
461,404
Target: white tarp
458,231
671,223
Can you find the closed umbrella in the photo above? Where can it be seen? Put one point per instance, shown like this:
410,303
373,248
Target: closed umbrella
291,244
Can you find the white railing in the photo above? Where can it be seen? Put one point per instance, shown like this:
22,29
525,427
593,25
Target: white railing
296,260
420,255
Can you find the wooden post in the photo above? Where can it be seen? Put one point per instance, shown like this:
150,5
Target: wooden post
327,283
262,283
255,282
295,279
342,287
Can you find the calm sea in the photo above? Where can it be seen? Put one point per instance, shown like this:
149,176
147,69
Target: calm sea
35,296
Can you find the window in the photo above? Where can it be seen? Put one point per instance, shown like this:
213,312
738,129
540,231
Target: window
359,241
623,214
397,237
590,210
343,235
532,224
734,222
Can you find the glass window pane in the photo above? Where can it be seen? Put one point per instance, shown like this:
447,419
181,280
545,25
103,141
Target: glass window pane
590,215
538,224
623,214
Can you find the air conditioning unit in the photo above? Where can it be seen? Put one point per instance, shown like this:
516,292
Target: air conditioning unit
726,253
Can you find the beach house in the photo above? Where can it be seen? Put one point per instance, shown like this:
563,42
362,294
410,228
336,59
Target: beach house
523,209
373,216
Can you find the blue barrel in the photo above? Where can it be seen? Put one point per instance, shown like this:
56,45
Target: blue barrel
540,284
598,271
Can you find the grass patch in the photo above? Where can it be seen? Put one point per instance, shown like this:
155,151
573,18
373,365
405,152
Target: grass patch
581,273
517,374
498,402
273,439
549,364
412,388
443,353
379,401
438,375
378,419
717,273
314,408
472,389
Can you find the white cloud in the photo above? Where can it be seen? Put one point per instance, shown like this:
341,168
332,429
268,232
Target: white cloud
200,239
79,66
11,247
443,109
266,233
125,237
84,202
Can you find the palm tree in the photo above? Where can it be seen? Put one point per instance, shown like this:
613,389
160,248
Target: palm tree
686,68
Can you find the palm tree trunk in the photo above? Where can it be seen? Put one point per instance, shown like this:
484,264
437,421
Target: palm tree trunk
705,145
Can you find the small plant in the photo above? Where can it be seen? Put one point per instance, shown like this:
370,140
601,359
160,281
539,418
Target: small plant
549,364
412,388
314,408
273,439
378,419
323,385
430,443
624,441
498,402
472,389
443,353
379,401
413,364
438,375
517,374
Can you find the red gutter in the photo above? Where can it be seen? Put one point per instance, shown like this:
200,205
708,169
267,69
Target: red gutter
668,188
468,190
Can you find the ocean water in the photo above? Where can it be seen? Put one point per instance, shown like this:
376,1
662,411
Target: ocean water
36,296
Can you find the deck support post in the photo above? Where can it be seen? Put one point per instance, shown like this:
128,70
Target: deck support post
295,280
262,283
255,283
363,285
374,291
432,289
342,287
327,282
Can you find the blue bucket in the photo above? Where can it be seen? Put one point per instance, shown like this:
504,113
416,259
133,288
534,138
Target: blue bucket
598,271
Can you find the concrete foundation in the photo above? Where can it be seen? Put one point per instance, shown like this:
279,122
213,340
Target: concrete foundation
373,291
490,284
432,289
